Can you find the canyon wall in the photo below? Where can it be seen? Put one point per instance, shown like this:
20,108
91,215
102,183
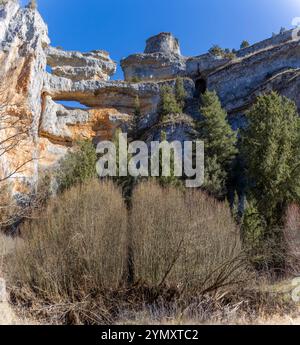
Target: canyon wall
36,80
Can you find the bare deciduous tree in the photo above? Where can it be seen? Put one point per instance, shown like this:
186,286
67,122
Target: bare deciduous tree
14,131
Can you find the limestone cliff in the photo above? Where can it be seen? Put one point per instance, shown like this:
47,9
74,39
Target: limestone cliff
35,78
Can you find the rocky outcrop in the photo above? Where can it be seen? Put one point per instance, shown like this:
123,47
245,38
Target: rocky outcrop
274,68
24,36
76,66
155,66
33,98
161,60
164,43
63,125
268,65
113,94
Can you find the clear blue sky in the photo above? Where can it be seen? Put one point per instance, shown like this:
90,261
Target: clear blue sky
122,26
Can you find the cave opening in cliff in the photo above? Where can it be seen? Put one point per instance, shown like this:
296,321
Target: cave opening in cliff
200,87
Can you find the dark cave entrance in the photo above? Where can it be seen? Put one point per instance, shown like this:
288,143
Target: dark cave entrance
200,87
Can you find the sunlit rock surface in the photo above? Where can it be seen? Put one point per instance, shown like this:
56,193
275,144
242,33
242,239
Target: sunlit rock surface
37,81
95,65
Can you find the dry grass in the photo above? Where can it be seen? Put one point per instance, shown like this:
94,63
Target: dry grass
186,240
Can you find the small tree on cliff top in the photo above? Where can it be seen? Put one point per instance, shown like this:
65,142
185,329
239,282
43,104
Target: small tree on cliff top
245,44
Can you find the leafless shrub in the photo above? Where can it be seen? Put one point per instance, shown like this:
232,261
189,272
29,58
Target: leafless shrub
7,246
14,133
292,239
76,247
186,260
187,240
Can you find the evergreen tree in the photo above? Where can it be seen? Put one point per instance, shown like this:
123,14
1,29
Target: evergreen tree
252,226
171,180
180,93
128,182
168,104
78,166
220,144
245,44
282,30
271,147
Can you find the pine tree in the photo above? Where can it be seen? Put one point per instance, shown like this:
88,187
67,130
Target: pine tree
168,104
78,166
180,93
252,226
271,147
220,144
128,182
171,180
245,44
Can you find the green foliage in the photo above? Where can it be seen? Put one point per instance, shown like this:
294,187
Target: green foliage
220,52
220,143
282,30
135,79
216,50
180,93
271,145
172,180
168,103
215,177
78,166
252,226
235,208
245,44
126,183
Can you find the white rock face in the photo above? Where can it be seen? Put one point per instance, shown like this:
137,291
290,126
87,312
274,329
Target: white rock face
111,94
272,68
65,125
24,36
95,65
7,11
164,42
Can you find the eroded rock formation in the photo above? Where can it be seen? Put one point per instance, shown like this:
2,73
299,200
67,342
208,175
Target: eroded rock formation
24,37
95,65
31,94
